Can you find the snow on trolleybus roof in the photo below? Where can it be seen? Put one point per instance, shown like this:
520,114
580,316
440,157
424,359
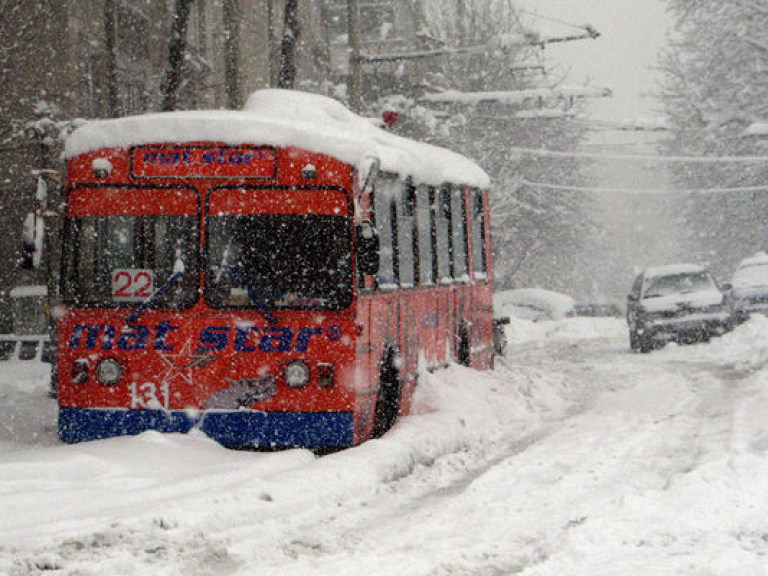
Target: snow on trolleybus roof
285,118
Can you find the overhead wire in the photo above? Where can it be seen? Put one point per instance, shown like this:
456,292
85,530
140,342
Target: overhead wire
645,157
644,191
551,19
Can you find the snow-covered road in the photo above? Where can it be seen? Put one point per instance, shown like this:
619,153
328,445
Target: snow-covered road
573,457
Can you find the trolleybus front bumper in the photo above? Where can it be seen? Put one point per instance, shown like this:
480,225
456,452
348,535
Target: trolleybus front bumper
234,429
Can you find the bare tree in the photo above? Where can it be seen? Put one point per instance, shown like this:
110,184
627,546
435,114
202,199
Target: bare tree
110,34
231,20
176,49
354,82
291,30
713,89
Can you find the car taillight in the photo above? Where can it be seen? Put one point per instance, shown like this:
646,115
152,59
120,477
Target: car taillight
80,371
325,374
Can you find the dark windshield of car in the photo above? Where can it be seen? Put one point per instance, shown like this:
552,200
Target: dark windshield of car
683,283
279,261
121,260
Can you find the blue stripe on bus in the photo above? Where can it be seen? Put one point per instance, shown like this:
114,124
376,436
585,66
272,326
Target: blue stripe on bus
239,429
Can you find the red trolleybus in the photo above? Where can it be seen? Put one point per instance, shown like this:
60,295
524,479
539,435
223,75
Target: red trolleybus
275,277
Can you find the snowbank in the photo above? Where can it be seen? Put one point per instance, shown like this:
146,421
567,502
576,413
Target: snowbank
612,463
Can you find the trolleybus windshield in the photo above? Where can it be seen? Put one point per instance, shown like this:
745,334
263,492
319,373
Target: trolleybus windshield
279,249
121,246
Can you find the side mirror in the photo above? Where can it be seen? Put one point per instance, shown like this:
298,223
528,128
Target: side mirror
727,287
632,297
367,247
370,166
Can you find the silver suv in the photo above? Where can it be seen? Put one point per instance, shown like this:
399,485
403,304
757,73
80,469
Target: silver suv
680,303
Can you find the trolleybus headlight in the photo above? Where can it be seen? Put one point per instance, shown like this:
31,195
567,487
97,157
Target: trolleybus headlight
109,371
296,374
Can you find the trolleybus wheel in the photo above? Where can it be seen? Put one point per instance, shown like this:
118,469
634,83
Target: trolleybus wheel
388,401
463,350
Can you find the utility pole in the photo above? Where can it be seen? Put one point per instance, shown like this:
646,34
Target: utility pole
354,82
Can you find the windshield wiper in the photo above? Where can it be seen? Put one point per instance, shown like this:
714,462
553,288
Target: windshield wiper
224,266
259,304
178,272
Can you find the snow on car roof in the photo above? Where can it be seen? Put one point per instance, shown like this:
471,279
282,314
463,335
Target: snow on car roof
673,269
758,259
286,118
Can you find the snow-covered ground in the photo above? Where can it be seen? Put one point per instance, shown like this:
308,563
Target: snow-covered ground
573,457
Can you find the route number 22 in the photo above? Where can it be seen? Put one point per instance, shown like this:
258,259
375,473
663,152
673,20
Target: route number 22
132,284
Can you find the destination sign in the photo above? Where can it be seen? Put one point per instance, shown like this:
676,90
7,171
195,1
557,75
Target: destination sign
217,162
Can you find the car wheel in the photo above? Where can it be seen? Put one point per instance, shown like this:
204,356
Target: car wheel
645,345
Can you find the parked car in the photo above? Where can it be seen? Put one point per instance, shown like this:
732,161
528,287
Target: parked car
680,302
749,287
534,304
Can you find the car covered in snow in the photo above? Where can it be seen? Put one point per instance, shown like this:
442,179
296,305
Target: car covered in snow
534,304
680,302
749,287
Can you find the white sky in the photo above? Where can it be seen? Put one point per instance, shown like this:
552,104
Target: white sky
622,58
637,230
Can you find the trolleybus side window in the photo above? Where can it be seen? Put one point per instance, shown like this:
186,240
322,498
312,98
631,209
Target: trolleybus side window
479,258
459,234
443,249
406,248
386,189
424,228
